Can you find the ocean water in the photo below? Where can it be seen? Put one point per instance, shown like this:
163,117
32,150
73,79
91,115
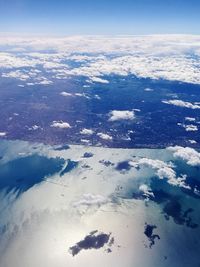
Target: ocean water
85,206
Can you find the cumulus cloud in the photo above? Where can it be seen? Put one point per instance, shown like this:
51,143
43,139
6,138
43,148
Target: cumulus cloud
60,124
33,77
191,128
190,155
163,170
17,75
105,136
98,80
116,115
180,103
86,131
10,60
45,82
188,127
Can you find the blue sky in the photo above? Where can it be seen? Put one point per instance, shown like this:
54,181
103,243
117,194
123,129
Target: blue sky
66,17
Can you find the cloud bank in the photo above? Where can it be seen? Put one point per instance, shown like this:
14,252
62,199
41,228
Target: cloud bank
170,57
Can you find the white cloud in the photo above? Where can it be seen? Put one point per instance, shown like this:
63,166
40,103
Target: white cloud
86,131
191,128
2,134
85,141
98,80
33,76
9,61
190,155
53,65
82,95
155,57
30,84
105,136
192,141
17,75
34,128
188,127
76,94
190,119
116,115
65,94
180,103
60,124
45,82
163,170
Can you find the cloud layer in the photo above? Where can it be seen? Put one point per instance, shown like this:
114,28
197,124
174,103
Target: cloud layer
174,57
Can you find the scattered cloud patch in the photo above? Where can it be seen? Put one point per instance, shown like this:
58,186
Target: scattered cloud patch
190,155
116,115
105,136
163,170
192,141
191,128
190,119
2,134
86,131
188,127
65,94
45,82
180,103
82,95
17,75
98,80
60,124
